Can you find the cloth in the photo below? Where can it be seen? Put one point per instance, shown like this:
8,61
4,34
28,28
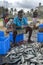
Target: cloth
9,23
34,21
17,22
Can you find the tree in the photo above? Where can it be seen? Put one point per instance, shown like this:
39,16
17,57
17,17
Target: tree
31,10
39,4
27,13
3,10
12,9
15,10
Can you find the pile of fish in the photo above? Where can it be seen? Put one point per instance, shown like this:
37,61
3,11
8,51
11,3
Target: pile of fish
28,54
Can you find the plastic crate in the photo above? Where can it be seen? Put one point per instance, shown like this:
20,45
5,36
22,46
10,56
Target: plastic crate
19,37
41,26
8,43
1,33
40,37
4,45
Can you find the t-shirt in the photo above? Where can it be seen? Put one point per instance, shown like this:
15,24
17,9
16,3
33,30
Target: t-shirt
18,22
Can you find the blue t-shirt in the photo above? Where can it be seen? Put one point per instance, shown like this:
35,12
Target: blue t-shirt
17,22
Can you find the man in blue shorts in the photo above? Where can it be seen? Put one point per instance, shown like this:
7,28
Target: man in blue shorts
21,22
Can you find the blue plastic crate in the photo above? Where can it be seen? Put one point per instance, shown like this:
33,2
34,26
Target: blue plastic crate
41,26
3,48
40,37
4,45
19,38
7,43
1,33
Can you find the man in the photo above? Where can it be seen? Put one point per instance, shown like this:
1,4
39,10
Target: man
20,22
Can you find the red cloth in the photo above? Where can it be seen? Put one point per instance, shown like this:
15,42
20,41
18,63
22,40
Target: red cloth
5,20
